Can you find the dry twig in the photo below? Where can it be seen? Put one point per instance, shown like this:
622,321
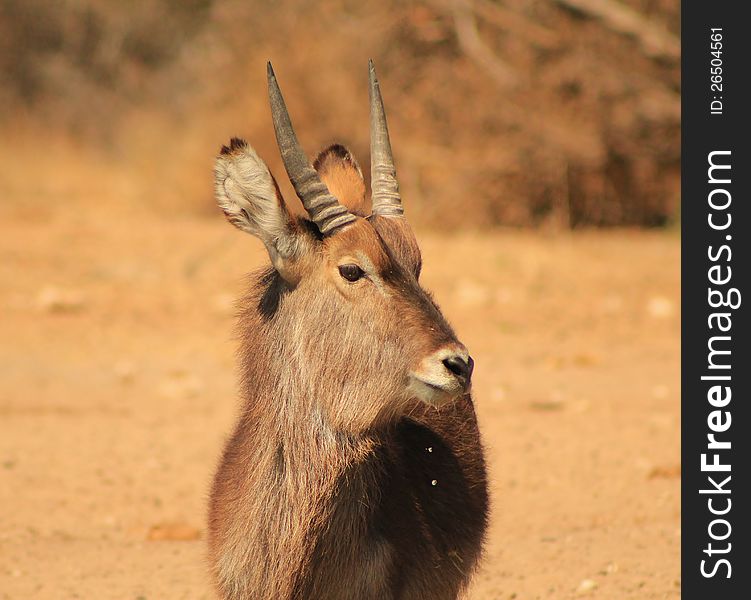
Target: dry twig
471,43
655,40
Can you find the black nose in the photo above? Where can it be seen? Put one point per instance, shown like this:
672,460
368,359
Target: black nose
460,367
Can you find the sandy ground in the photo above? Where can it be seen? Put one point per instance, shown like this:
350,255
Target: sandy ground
117,389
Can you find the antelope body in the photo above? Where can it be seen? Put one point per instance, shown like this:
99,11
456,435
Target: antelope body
355,470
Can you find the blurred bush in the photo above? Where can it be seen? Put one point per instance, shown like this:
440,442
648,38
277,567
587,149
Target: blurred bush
521,112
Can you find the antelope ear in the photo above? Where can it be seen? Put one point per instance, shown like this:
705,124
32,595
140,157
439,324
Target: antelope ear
338,169
249,196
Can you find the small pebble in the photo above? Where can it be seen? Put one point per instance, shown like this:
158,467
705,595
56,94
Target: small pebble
471,293
125,371
178,386
174,532
659,307
586,586
55,300
434,482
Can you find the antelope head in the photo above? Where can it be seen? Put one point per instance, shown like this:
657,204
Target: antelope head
348,310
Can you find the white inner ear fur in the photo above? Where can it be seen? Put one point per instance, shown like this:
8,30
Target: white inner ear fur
246,193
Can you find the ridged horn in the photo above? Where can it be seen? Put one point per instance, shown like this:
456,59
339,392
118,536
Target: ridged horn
385,197
324,209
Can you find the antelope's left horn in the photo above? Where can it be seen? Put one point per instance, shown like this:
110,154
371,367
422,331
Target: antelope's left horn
386,200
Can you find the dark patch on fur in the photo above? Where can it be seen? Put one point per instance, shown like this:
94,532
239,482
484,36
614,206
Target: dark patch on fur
270,285
454,512
435,530
274,287
279,461
338,151
311,228
234,145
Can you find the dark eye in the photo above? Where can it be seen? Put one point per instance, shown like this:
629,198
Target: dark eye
351,272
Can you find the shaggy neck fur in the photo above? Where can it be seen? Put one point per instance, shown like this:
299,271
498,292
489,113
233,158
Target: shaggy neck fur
317,456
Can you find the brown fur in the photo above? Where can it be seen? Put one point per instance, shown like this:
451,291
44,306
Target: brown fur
342,175
337,483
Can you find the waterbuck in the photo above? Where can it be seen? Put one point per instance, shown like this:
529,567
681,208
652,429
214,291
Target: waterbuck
356,470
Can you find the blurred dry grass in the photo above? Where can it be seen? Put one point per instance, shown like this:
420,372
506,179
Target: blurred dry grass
522,112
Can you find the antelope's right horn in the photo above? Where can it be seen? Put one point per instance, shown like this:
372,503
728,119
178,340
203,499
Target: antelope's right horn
324,210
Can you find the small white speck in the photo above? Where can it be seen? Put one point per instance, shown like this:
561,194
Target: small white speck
429,449
434,482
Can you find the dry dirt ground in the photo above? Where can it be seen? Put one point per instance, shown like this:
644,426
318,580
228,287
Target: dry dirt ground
117,389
